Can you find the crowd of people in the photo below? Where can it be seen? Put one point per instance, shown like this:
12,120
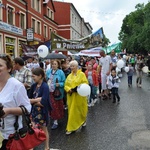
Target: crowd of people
47,88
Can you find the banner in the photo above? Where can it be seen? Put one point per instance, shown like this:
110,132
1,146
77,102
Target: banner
92,40
116,47
31,50
95,51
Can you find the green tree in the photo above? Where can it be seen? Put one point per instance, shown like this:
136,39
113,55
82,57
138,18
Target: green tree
135,30
105,41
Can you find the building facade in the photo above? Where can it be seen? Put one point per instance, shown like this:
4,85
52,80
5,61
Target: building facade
70,24
25,21
32,21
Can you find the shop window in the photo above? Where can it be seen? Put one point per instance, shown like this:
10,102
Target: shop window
10,15
20,47
10,46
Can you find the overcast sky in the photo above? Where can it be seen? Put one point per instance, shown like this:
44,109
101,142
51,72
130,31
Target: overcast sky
108,14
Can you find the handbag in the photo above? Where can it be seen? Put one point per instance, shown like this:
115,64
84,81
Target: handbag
1,139
26,137
57,93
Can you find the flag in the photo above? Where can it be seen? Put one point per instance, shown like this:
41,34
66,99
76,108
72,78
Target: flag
92,40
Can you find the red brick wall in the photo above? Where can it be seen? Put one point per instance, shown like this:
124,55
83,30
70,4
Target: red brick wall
64,10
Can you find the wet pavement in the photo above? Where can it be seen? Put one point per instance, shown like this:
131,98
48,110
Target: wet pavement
119,126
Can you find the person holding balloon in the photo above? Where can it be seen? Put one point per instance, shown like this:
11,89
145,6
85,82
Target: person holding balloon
77,104
106,65
114,59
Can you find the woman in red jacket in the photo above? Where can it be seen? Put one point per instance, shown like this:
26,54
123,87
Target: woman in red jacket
92,77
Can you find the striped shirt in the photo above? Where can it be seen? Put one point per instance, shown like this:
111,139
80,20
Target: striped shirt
24,75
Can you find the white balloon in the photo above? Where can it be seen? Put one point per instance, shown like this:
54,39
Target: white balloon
124,56
145,69
126,69
120,75
84,89
42,51
118,69
120,64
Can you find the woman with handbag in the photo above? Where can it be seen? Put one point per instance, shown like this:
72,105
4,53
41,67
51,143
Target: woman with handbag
12,95
77,105
55,79
39,98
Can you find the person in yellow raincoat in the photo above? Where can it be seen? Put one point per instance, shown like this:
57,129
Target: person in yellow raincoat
77,105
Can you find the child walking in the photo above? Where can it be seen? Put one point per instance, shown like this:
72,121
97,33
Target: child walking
113,82
92,77
130,74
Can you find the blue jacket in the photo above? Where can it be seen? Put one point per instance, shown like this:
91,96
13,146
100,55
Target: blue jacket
59,74
43,92
131,71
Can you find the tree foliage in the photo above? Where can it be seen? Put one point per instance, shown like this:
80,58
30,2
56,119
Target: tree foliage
135,30
105,41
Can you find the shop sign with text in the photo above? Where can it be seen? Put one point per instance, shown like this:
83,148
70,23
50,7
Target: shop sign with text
10,28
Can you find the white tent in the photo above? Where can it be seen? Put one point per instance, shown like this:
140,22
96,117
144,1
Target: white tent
69,53
90,52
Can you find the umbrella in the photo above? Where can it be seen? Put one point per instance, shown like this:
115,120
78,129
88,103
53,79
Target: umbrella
26,57
55,56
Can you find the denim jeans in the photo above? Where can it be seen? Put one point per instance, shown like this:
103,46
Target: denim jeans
93,92
115,94
130,80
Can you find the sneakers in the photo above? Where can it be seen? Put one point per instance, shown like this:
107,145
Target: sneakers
114,101
68,132
129,85
84,124
104,97
92,103
65,107
89,105
140,85
95,100
54,126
